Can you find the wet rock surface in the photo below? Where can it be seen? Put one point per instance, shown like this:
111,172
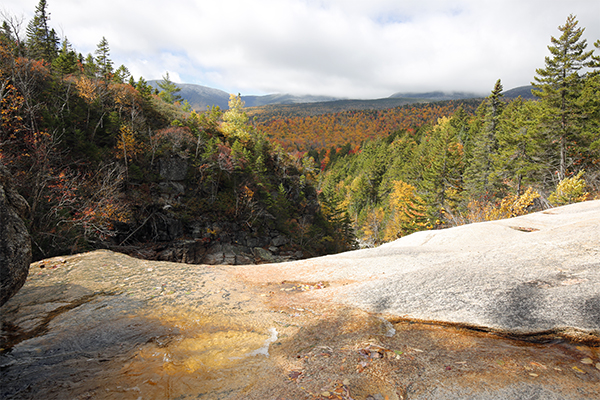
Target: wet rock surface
103,325
15,242
85,323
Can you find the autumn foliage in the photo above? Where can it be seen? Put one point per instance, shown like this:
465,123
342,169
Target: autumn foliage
315,132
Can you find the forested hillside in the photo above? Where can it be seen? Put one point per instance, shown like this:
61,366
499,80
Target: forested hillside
318,131
104,160
511,157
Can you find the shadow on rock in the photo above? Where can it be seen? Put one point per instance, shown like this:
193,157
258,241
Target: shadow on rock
518,308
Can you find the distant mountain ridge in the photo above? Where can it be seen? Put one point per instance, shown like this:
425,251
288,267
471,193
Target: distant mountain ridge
438,96
200,97
523,91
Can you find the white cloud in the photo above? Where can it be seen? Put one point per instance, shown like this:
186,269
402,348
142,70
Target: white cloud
352,48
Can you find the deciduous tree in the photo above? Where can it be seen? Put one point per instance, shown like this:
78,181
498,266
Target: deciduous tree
235,121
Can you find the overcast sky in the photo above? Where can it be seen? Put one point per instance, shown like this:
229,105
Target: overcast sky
345,48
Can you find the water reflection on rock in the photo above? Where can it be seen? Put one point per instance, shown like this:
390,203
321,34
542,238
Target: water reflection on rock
104,325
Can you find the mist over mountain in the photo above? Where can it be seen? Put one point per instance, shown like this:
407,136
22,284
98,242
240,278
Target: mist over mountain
201,97
438,95
257,101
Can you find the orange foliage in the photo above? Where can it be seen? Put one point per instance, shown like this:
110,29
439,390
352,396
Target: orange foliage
88,89
336,129
128,146
11,101
510,206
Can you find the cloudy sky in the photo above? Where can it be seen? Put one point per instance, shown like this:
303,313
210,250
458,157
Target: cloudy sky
346,48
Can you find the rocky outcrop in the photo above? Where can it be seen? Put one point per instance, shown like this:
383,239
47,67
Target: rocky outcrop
15,242
246,250
360,324
171,232
521,276
173,169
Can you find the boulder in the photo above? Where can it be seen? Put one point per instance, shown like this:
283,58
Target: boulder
15,242
280,241
263,255
173,169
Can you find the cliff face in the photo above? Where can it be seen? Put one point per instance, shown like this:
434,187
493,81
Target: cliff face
171,226
15,243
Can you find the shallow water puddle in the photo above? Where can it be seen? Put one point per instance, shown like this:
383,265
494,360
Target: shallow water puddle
209,356
199,365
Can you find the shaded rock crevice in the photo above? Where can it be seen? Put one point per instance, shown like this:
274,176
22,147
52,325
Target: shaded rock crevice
15,241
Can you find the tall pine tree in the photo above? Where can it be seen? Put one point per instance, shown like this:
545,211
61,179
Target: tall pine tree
480,182
103,61
521,160
441,155
169,90
558,86
42,42
67,61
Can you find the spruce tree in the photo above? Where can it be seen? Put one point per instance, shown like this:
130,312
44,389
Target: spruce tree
67,62
441,155
558,86
42,42
169,90
521,158
479,176
103,61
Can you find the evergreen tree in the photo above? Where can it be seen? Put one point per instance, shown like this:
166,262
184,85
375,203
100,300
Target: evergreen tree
143,88
42,42
67,62
521,158
479,181
558,86
103,61
90,68
169,90
6,32
441,155
589,101
122,75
